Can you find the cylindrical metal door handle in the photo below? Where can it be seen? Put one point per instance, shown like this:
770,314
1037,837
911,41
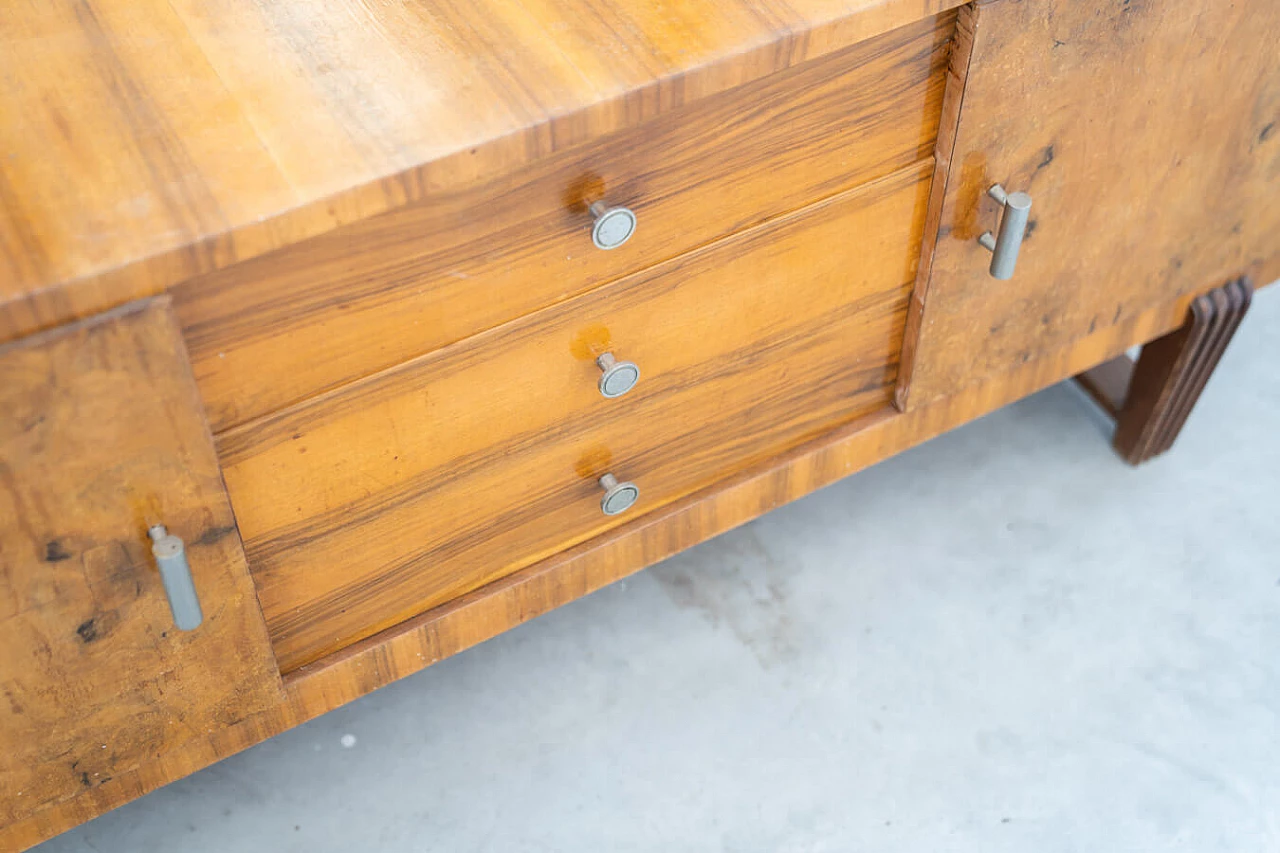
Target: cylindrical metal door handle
175,574
616,377
613,226
1013,227
618,497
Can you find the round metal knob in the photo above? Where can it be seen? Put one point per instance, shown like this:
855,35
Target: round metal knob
618,497
616,377
613,227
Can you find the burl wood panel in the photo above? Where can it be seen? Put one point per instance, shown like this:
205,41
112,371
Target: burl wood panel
1152,399
369,505
1148,135
276,330
147,141
102,436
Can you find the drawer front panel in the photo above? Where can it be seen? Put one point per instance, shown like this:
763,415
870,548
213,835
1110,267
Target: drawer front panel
279,329
1141,193
367,506
102,437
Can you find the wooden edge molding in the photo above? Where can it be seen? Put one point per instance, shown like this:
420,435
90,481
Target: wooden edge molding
1150,399
948,127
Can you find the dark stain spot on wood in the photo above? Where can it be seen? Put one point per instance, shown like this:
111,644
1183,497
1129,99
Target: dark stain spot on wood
88,630
1176,261
1058,43
1093,325
1237,228
1046,159
590,341
1267,130
1116,319
580,193
84,779
1031,228
213,534
54,552
972,204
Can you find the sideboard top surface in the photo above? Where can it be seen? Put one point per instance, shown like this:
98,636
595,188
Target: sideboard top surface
143,142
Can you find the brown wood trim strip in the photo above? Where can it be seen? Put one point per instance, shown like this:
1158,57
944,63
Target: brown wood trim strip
949,125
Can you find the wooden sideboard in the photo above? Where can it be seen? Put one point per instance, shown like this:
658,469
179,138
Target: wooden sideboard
412,321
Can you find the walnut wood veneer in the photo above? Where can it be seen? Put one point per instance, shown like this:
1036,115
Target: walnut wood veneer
320,289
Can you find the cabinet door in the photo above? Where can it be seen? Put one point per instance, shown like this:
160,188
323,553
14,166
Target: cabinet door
1148,136
102,436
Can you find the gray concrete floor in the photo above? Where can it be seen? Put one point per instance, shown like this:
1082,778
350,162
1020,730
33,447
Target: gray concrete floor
1004,640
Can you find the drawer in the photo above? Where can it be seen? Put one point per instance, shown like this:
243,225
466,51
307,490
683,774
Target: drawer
1141,194
275,330
369,505
103,437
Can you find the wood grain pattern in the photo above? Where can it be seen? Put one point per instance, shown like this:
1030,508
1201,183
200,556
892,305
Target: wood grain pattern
108,152
1151,400
393,287
408,648
1088,106
367,506
102,436
146,142
652,537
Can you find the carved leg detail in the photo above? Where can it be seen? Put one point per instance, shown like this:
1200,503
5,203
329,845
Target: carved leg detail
1150,400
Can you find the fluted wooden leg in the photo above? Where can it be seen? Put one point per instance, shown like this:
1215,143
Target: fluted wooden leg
1151,399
